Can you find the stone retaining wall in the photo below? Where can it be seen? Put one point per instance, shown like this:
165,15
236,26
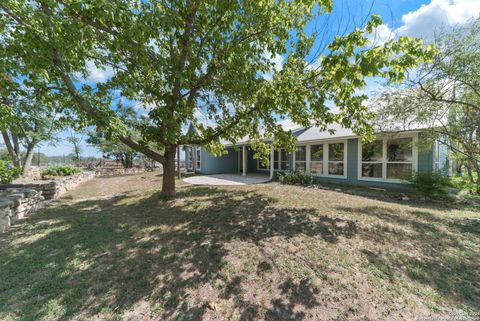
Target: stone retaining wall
16,203
109,171
19,200
52,189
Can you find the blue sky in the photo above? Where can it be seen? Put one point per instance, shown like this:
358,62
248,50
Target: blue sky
417,18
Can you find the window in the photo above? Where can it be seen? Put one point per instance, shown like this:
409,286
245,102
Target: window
387,159
336,164
316,159
300,158
260,165
372,159
399,158
190,158
283,160
198,158
275,159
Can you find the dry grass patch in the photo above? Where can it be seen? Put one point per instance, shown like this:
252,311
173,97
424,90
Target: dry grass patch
115,250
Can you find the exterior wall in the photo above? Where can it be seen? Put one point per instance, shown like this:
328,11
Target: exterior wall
219,165
251,162
230,164
424,164
444,163
425,158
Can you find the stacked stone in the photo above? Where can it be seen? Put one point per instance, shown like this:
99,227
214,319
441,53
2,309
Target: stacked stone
5,214
49,190
53,189
16,203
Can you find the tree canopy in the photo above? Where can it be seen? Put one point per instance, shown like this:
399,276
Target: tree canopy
443,95
30,116
178,57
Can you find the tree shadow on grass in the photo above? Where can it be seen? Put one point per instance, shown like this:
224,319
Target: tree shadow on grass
101,257
439,252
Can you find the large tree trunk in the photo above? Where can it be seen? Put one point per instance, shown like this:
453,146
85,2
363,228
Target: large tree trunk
13,148
28,160
168,183
477,180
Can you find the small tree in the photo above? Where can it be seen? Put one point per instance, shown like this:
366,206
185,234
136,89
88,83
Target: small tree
182,57
112,149
34,116
77,149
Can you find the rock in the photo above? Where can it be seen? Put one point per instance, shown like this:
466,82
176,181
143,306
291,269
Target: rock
212,306
20,200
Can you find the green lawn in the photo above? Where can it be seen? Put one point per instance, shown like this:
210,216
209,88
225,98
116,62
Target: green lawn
115,250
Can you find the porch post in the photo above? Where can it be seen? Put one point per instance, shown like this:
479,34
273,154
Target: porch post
244,160
194,158
271,161
178,162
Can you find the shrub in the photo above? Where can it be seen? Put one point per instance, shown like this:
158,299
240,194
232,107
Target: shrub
8,173
61,170
430,183
295,178
463,183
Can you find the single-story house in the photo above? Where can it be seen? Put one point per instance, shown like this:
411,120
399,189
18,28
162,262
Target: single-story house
338,157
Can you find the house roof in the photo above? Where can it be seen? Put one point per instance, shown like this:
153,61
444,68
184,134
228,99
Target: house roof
335,130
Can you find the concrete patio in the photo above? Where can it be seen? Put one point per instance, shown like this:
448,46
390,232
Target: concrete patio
228,179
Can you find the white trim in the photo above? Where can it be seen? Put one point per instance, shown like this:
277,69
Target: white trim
198,158
307,155
384,162
194,158
261,169
294,158
272,151
244,160
345,159
189,161
325,160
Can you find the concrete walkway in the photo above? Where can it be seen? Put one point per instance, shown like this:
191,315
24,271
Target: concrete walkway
228,179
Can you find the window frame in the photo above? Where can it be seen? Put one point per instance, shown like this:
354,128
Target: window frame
198,158
262,168
325,160
309,155
190,159
295,158
436,156
385,162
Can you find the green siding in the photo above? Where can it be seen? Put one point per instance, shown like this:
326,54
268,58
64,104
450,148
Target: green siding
352,160
425,163
425,158
219,165
229,164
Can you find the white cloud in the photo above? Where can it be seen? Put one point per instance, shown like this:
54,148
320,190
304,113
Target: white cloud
436,15
381,34
96,74
277,61
314,65
428,19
